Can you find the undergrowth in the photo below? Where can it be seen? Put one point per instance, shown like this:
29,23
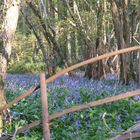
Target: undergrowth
95,123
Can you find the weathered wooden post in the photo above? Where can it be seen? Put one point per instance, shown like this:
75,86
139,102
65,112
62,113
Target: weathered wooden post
45,114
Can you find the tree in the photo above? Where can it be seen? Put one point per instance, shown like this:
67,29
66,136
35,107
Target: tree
120,17
8,29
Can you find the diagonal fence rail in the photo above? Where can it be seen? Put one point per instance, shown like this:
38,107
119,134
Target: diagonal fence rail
52,78
78,107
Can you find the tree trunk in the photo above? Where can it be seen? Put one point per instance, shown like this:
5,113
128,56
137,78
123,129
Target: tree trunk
98,71
51,37
122,34
76,47
9,27
138,68
69,47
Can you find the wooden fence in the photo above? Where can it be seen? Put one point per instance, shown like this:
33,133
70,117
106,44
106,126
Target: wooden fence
47,118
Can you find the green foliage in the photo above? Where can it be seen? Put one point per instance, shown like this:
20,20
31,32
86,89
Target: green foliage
25,57
91,124
26,67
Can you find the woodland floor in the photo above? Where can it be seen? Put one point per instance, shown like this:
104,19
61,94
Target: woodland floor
96,123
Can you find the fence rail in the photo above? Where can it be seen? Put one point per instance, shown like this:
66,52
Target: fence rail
48,117
52,78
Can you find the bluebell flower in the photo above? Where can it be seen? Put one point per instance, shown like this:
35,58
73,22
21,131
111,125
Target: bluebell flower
137,118
137,97
118,117
78,124
119,128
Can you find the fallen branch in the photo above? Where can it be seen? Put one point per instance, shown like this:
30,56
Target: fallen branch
132,132
127,136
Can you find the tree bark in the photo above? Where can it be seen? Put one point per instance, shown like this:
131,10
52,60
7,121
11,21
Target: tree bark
49,36
122,34
9,27
69,47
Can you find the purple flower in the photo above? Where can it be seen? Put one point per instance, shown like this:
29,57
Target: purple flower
78,124
118,117
119,128
63,118
137,97
137,118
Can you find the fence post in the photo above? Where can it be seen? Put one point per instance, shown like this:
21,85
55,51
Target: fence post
45,114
